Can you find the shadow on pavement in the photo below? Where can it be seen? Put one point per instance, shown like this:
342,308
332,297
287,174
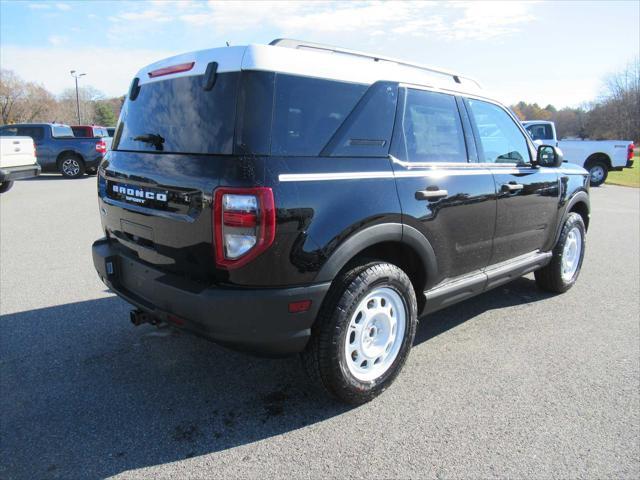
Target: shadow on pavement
86,395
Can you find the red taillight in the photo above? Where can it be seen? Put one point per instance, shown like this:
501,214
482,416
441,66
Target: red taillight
182,67
630,150
244,222
101,146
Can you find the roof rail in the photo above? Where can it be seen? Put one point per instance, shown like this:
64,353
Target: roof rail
302,45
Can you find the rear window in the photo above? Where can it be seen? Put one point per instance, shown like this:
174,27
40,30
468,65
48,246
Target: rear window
61,131
308,111
541,131
36,133
82,132
178,115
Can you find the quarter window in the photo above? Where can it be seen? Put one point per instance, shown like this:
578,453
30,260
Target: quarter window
308,111
501,141
432,128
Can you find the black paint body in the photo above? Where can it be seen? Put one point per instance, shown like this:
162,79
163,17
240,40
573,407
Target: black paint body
322,224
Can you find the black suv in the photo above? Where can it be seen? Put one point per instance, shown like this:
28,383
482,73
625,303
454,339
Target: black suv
297,198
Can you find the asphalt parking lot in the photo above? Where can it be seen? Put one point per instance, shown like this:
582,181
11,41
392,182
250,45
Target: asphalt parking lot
514,383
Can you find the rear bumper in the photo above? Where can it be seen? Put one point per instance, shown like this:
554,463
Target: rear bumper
255,320
9,174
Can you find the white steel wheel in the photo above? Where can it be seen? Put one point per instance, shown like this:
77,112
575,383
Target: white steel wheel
375,334
571,254
597,173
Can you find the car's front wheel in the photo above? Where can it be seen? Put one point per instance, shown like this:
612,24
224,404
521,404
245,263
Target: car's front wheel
364,332
563,270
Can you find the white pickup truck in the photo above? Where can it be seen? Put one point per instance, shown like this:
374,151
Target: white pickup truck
17,160
597,156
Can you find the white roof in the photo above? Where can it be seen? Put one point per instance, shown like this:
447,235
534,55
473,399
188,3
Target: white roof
314,61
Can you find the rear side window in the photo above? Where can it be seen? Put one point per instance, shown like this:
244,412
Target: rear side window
178,115
61,131
501,141
308,111
82,132
432,128
36,133
540,132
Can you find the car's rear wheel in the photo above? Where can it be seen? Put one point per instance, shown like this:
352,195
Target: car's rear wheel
364,332
598,173
71,166
5,186
563,270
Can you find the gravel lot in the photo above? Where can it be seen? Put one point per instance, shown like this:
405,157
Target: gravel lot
514,383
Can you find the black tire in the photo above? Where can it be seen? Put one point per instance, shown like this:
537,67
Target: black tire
71,166
5,186
325,359
550,278
600,170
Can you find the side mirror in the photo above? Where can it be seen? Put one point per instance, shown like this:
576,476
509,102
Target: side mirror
549,156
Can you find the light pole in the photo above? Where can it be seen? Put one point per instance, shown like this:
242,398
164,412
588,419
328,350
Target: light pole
76,76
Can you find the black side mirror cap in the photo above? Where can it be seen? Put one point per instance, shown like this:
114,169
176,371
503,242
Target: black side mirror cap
549,156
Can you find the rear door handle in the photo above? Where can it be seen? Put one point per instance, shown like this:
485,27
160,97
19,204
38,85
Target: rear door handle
512,187
431,194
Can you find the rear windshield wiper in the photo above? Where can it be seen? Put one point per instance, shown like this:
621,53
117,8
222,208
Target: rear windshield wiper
152,138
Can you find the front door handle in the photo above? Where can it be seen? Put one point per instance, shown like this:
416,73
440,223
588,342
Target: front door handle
512,187
431,194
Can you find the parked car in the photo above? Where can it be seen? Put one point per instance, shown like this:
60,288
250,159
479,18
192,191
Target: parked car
93,131
58,150
17,161
298,198
89,131
599,157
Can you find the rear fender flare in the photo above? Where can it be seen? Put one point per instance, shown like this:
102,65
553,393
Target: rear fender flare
387,232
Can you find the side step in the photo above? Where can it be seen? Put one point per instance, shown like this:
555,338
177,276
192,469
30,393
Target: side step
461,288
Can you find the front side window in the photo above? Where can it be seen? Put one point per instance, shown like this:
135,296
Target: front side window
432,128
501,141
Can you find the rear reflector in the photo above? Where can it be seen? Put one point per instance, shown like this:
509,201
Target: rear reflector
101,146
182,67
301,306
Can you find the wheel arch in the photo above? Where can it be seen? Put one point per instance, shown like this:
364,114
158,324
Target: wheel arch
578,203
395,243
598,156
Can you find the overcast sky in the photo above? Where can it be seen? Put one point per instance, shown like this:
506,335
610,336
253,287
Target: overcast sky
547,52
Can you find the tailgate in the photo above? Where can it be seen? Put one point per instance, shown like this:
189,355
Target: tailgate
17,151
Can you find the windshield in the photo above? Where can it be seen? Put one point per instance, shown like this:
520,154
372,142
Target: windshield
179,115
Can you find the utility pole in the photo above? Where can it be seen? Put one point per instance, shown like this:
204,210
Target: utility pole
76,76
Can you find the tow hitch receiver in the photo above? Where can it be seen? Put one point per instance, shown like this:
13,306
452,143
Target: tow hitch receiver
138,317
